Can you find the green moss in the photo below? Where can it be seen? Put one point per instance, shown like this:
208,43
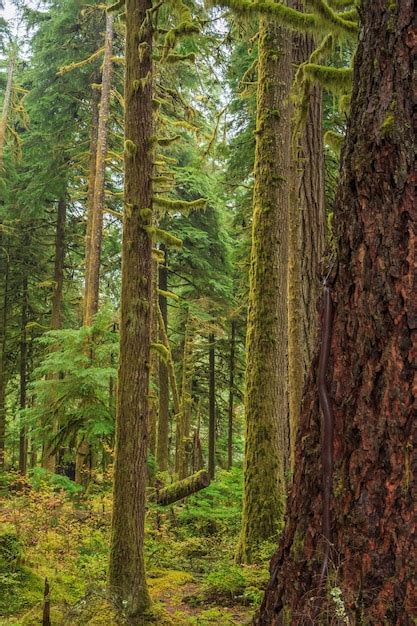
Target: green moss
337,80
130,148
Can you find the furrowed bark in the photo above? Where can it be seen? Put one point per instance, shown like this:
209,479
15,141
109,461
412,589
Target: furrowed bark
372,360
266,405
306,237
127,566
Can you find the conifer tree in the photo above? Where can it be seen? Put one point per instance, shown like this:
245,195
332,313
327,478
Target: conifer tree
127,568
362,542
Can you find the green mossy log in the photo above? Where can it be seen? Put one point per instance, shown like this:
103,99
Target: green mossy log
181,489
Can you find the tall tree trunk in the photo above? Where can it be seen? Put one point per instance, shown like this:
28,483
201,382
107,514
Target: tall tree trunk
48,456
212,408
127,567
95,220
266,405
3,364
231,395
306,237
371,374
23,439
6,105
162,450
183,442
153,372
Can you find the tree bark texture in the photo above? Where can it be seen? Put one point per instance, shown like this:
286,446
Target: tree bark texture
127,567
306,237
372,373
162,449
266,405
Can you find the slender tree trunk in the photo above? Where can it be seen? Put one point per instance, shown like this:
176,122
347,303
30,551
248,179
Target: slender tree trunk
6,106
183,442
212,408
154,366
266,405
95,220
306,238
127,567
371,375
162,451
48,456
23,439
3,364
91,295
231,395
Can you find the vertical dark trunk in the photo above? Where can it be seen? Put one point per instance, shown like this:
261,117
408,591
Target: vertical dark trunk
48,457
182,436
231,395
371,375
306,235
127,576
3,364
212,409
23,448
162,454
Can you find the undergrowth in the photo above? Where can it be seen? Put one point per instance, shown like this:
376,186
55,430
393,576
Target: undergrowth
50,530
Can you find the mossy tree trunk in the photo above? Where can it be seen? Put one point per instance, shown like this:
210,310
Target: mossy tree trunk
306,237
48,455
3,364
212,408
266,405
183,443
231,394
372,370
127,567
7,101
94,236
162,450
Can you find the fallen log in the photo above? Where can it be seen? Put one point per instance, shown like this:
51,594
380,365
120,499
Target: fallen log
181,489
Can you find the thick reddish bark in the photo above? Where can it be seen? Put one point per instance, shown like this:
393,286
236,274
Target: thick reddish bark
373,380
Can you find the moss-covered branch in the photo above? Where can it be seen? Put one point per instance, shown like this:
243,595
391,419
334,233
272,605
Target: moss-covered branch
181,489
338,80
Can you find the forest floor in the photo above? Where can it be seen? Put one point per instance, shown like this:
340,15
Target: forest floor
48,531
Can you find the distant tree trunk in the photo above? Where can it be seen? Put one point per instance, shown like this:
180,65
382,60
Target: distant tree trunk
212,408
48,456
266,404
127,567
95,220
154,365
6,106
162,451
23,440
306,236
372,369
231,395
183,442
3,364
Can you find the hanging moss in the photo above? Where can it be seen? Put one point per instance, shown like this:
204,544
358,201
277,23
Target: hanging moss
337,80
166,141
130,148
162,351
167,238
333,18
334,140
168,294
180,205
174,57
73,66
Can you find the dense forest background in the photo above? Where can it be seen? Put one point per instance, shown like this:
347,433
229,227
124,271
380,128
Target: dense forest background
207,312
